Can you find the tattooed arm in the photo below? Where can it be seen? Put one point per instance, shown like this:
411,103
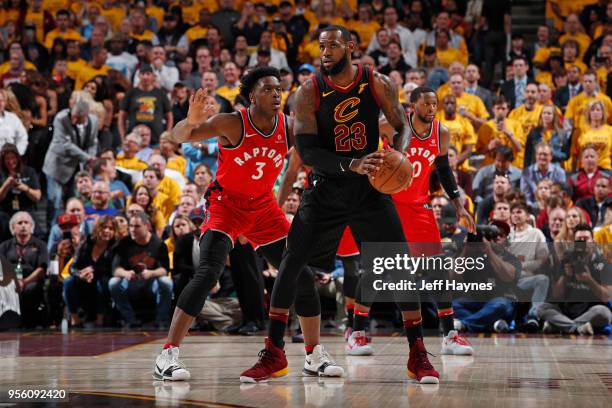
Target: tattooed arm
307,143
394,112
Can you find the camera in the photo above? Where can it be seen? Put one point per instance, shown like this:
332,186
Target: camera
490,232
578,257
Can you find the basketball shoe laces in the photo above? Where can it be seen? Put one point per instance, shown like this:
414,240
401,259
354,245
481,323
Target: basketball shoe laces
265,359
460,340
424,360
174,361
361,341
326,358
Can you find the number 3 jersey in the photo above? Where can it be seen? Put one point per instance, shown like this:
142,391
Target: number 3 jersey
251,168
347,117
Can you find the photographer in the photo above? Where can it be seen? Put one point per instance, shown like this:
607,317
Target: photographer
582,289
486,310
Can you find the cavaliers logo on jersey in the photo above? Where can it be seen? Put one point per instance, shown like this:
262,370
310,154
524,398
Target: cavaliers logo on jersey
346,110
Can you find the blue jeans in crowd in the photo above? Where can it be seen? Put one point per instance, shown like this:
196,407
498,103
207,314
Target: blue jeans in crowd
539,284
480,316
123,290
92,297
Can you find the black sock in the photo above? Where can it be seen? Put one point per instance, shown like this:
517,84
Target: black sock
360,321
414,330
446,322
276,332
349,316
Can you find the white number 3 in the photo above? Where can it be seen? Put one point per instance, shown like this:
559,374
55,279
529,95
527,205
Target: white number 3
259,174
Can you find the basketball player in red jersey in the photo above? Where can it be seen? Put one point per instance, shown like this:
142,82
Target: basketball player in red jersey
428,150
253,146
336,126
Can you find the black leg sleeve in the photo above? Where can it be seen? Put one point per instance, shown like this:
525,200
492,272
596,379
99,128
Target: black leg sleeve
305,294
214,248
351,275
248,282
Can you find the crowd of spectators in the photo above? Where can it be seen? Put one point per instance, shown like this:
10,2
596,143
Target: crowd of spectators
99,209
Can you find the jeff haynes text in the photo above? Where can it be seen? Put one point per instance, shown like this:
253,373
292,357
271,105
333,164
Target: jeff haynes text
436,285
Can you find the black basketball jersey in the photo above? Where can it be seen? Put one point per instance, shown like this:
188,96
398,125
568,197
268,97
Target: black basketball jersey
347,117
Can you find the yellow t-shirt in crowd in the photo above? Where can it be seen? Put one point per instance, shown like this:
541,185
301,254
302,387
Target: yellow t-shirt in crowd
38,19
543,54
602,140
602,77
158,14
461,133
74,67
527,119
583,40
53,6
171,195
131,164
545,77
450,55
6,67
228,93
114,15
365,30
472,104
603,237
195,33
578,104
70,34
488,131
177,163
88,73
146,35
581,66
191,14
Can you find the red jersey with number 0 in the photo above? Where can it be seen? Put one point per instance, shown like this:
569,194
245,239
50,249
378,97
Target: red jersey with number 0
251,168
421,153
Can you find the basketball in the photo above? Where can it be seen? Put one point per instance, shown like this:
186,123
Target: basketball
394,175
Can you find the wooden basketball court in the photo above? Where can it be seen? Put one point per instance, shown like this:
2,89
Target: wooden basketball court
114,369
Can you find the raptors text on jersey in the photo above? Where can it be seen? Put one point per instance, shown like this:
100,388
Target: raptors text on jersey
251,168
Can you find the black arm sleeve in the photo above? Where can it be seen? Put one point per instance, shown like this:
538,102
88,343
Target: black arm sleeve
447,178
321,159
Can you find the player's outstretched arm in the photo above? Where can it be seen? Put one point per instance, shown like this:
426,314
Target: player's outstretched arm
447,179
393,110
203,122
306,139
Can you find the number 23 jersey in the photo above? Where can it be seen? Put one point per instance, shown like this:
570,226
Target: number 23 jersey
347,117
251,168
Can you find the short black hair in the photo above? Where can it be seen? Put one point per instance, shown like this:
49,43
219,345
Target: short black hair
346,34
250,79
583,227
505,152
500,100
416,94
62,12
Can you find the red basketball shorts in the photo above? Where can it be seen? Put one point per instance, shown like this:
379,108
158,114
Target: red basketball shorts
260,219
347,246
420,228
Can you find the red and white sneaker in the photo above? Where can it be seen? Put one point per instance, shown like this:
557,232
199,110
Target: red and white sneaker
272,363
347,333
357,344
419,367
454,344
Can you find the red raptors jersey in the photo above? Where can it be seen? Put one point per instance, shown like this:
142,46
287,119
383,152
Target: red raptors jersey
251,168
421,153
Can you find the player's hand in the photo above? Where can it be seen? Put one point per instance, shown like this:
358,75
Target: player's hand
471,225
200,108
369,164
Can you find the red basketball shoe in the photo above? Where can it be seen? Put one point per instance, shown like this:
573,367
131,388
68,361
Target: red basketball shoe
272,363
419,367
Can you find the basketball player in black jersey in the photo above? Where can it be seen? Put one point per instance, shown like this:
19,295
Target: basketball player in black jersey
336,128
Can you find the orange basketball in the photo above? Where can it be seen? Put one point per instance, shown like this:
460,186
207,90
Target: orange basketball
394,175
